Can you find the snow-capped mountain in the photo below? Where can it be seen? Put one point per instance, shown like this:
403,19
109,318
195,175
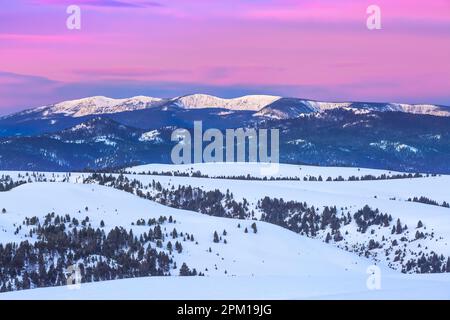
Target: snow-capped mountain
289,108
263,106
245,103
389,140
99,105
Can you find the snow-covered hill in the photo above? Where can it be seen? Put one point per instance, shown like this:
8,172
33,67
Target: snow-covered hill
389,196
273,263
302,286
257,170
280,260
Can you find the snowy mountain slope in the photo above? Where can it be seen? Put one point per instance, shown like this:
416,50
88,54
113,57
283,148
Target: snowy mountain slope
244,254
99,105
432,186
388,196
309,268
263,106
245,103
353,195
395,141
289,108
90,106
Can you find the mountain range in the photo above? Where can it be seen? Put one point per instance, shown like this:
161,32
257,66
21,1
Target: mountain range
100,132
263,106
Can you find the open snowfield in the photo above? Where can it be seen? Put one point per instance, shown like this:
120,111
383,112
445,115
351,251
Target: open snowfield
322,287
274,263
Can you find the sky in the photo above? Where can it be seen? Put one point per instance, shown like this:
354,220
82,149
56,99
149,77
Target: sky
317,49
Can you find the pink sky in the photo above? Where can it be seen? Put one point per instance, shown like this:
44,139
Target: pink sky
319,49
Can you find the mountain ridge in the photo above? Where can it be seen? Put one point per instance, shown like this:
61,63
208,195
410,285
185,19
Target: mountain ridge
265,106
394,141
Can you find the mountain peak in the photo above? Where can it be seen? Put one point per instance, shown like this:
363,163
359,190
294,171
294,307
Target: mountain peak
100,105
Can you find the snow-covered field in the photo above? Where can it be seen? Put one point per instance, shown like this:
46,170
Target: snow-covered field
259,170
323,287
273,263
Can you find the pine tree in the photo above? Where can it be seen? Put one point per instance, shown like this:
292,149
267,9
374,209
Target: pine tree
338,237
216,237
398,228
184,270
178,247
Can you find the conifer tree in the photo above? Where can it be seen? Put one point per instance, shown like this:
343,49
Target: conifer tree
216,237
184,270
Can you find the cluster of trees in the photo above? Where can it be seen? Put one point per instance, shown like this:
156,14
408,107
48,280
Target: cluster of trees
431,263
306,220
367,217
198,174
398,228
60,245
213,202
301,218
426,200
387,177
185,271
7,182
153,221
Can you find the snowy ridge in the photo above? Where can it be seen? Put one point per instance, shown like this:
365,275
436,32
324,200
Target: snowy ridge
246,103
264,106
100,105
293,108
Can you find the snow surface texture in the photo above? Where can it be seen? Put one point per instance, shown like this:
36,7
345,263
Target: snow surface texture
274,263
